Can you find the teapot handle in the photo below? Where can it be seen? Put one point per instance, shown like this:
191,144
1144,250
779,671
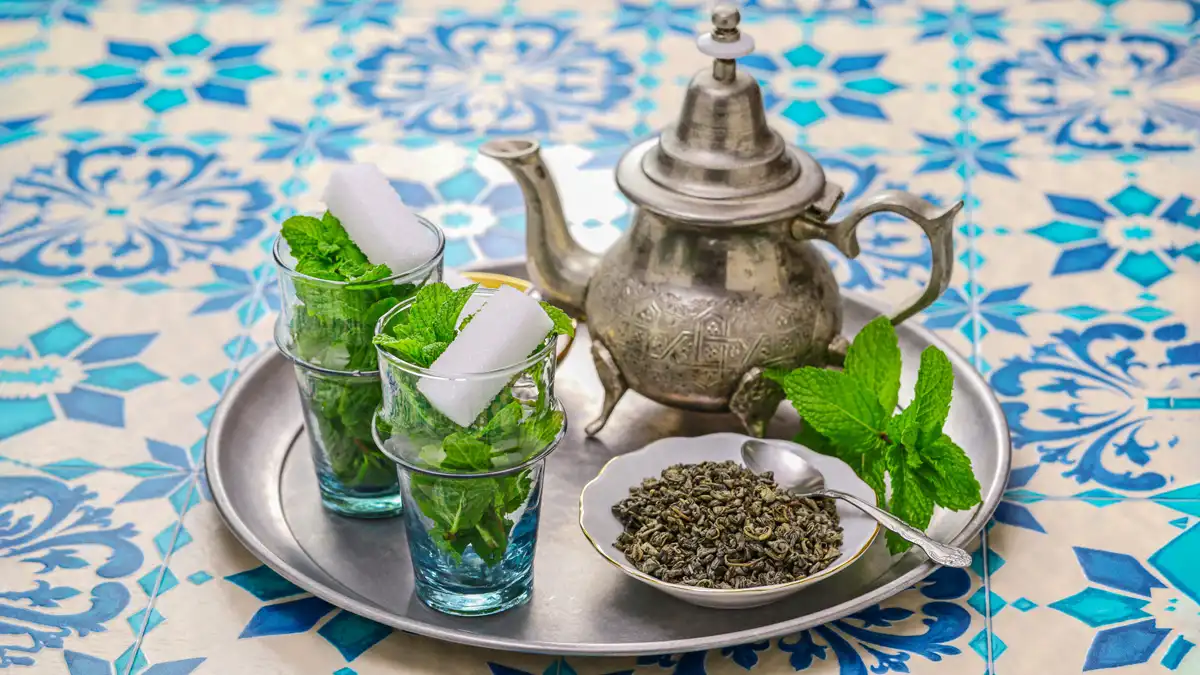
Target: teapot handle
939,227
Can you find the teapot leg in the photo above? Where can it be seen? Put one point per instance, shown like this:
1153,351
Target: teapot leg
755,401
836,352
612,380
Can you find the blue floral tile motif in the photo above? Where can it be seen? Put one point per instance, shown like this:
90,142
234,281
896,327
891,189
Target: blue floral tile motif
492,76
976,311
63,371
1143,235
251,294
1100,92
878,639
305,142
1094,388
176,474
183,71
119,211
1116,603
49,525
352,15
807,85
47,12
480,219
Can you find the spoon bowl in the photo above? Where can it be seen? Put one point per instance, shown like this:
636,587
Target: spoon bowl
793,472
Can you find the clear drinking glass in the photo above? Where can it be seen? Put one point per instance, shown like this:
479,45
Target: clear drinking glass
472,494
326,329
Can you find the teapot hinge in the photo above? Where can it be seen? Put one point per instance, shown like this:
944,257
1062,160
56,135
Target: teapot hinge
820,210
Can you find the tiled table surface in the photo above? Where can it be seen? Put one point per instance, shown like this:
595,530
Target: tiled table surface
148,152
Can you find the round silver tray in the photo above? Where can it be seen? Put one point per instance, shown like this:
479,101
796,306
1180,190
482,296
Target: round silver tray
262,479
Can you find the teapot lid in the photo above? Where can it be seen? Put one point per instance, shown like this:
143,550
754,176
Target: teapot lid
720,162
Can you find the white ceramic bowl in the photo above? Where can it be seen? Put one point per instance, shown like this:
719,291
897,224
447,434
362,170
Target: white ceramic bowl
613,482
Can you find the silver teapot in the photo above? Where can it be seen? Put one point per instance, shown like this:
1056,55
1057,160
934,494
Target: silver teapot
715,279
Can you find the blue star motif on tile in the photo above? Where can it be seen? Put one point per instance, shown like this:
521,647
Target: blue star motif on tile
65,371
658,16
17,129
966,155
183,71
1099,91
305,142
1140,234
251,294
960,21
1130,634
492,76
79,663
819,8
480,219
47,12
288,613
806,85
558,666
1013,509
976,311
351,16
175,473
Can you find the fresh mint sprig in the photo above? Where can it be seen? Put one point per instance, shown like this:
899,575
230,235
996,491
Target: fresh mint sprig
333,328
849,415
466,512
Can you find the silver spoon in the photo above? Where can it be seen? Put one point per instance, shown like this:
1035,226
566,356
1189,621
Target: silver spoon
793,472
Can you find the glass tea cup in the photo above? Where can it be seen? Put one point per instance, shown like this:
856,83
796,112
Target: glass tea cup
326,329
472,494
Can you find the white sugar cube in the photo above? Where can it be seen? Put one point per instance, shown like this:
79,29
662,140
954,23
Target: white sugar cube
454,279
376,219
504,332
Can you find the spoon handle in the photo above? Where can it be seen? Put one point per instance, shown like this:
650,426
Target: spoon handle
942,554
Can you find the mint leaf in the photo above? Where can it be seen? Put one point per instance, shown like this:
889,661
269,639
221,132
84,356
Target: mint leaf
562,322
466,453
424,314
334,328
453,504
303,235
365,273
901,429
910,502
935,387
836,406
503,424
874,360
948,470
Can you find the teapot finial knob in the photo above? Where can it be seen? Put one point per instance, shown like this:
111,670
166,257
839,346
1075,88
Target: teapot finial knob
725,42
726,19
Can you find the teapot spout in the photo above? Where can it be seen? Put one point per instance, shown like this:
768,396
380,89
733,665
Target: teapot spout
558,265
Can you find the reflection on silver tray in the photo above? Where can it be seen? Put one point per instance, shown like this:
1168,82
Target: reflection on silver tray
262,480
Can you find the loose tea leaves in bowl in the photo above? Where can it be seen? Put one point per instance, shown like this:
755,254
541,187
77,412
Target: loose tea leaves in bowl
720,525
